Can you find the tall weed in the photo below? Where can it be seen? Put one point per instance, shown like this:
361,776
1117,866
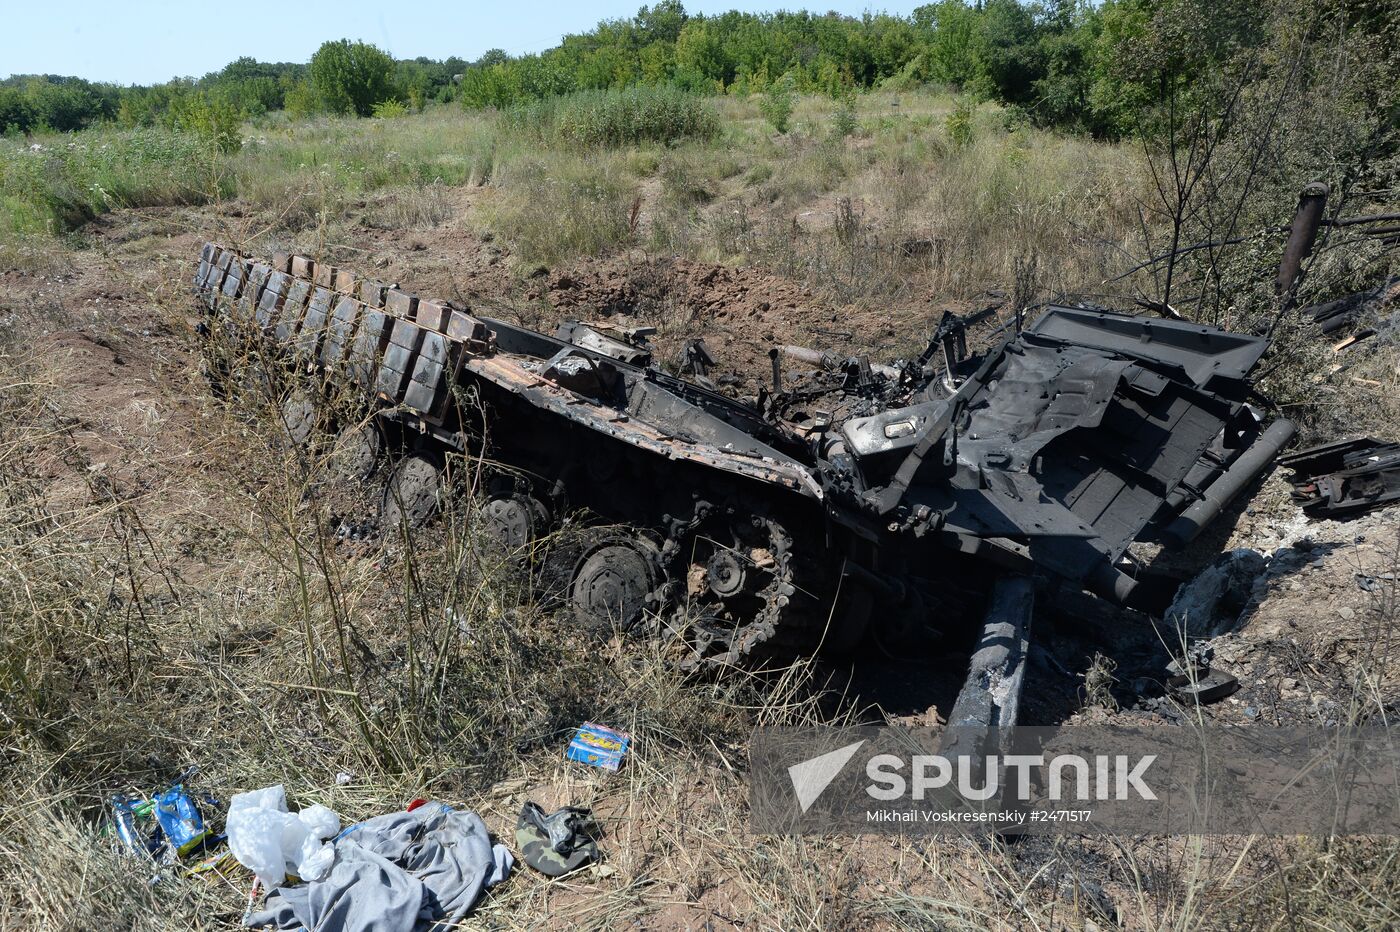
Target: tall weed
554,207
610,119
57,183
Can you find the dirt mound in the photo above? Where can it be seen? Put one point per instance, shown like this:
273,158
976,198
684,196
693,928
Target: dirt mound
740,312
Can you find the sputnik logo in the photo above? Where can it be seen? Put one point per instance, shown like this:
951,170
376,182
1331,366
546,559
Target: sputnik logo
811,777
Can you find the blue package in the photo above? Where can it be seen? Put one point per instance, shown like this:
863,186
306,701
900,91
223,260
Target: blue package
179,818
598,746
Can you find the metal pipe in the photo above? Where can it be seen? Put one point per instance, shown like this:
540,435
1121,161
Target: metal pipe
991,696
828,361
815,357
1301,235
1111,583
1230,483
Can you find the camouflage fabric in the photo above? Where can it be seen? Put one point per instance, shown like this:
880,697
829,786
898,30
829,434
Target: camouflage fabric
558,843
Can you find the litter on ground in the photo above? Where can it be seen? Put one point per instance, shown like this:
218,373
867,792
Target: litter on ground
598,746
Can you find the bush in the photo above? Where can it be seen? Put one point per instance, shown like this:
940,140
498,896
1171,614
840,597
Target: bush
776,106
301,100
959,123
211,117
609,119
844,122
350,77
389,109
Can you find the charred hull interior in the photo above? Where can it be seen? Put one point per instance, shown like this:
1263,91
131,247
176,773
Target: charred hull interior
884,498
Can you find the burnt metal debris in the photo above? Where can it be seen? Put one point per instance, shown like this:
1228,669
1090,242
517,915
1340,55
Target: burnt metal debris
1345,479
856,496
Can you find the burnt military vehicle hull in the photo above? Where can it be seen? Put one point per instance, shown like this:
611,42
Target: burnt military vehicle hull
864,497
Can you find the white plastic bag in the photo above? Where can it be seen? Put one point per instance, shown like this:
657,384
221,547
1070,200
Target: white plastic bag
269,840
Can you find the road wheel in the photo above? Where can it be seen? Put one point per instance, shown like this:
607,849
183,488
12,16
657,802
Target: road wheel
358,452
414,491
515,520
301,419
615,582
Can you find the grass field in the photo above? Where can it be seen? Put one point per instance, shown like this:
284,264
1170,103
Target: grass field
722,186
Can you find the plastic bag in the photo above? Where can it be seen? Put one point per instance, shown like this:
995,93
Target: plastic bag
269,840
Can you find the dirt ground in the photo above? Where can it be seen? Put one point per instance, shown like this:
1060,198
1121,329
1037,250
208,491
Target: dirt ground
125,385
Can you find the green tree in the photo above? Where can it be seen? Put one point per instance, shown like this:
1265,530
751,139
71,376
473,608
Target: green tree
661,22
16,111
956,42
700,51
350,77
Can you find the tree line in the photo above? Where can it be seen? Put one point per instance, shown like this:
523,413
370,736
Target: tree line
343,77
1070,64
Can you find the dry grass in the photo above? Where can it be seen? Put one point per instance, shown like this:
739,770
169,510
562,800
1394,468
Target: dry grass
137,638
746,195
558,206
899,209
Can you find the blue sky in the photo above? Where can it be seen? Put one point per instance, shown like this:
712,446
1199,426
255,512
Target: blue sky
146,41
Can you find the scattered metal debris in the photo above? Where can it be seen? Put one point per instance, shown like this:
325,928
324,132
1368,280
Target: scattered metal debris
1345,479
1368,583
1193,680
1302,234
629,344
992,692
695,359
1335,317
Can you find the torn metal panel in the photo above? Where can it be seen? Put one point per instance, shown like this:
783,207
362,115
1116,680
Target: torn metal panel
630,345
1203,354
508,373
1345,479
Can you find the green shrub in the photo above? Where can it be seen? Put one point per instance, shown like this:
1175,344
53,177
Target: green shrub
776,106
844,122
390,109
301,101
959,123
211,117
610,119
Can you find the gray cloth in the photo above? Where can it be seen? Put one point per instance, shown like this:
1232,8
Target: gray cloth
399,872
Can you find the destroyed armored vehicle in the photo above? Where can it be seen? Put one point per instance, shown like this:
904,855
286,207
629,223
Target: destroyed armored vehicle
864,498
